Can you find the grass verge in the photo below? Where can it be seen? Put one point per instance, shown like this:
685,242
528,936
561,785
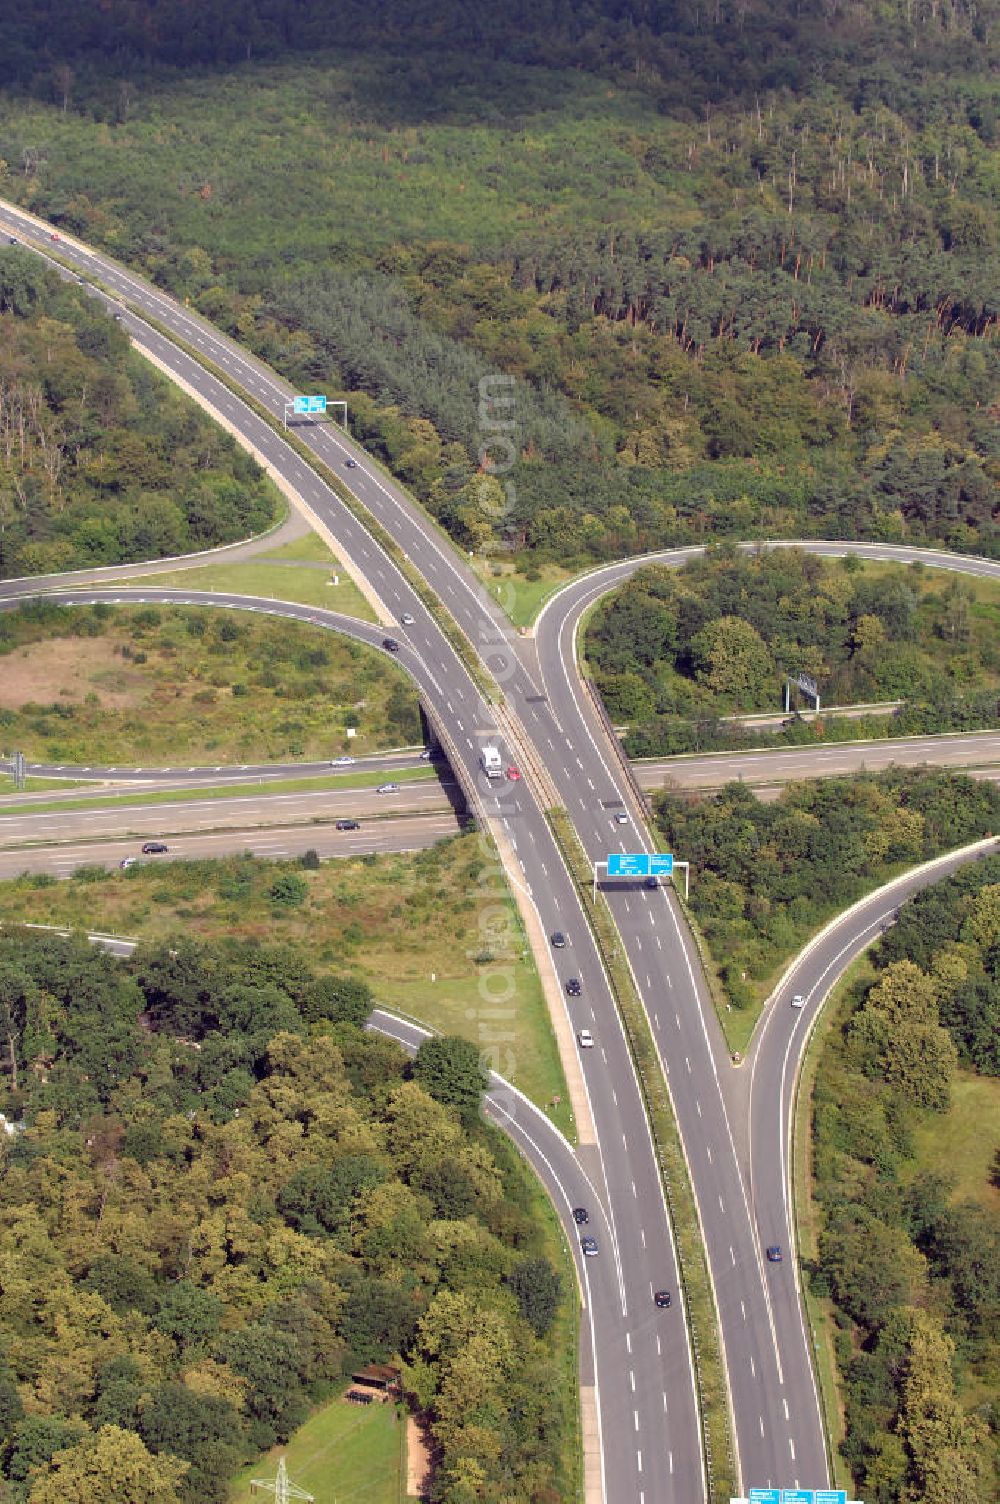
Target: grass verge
696,1284
38,785
408,923
273,578
226,791
465,650
343,1451
520,596
819,1310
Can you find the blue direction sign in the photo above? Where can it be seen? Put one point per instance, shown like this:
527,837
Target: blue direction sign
628,864
796,1496
765,1496
661,864
831,1496
309,405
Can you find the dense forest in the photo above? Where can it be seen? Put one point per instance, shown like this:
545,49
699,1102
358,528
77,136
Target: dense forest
219,1195
909,1257
765,875
741,260
674,650
102,461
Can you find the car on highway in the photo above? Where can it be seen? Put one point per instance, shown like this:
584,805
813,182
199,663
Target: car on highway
153,848
53,236
774,1254
573,988
387,788
558,939
798,1001
662,1300
127,862
390,644
586,1039
581,1216
348,825
351,464
407,620
427,754
513,774
652,882
12,239
589,1246
621,818
342,762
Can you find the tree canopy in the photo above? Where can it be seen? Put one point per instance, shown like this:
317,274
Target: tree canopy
220,1196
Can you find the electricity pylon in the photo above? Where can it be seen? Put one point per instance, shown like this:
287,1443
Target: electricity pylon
282,1489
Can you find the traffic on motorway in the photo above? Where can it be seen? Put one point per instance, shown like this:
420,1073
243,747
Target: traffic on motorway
640,1371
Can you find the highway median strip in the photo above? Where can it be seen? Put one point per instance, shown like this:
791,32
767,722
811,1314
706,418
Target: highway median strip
696,1284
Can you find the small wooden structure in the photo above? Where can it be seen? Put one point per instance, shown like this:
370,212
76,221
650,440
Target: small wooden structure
374,1381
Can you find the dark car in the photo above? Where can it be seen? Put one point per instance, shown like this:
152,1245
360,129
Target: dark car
348,825
573,987
558,939
589,1246
774,1254
351,464
390,644
662,1299
581,1216
153,848
652,882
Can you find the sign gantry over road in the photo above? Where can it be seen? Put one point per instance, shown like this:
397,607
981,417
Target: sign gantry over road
640,864
314,406
796,1496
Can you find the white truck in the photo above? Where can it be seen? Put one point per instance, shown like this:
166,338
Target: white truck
490,762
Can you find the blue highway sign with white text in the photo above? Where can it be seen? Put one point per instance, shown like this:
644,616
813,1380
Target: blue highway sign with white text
309,405
629,864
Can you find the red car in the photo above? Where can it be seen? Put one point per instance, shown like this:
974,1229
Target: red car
513,774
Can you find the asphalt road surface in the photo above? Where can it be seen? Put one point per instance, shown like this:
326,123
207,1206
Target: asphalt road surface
977,751
243,812
650,1440
650,1450
62,859
189,777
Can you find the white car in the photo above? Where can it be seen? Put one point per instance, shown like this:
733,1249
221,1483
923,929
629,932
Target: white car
387,788
621,818
586,1039
342,762
407,620
798,1001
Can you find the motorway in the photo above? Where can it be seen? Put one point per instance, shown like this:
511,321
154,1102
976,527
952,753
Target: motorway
642,1432
215,777
645,1402
976,752
62,858
42,817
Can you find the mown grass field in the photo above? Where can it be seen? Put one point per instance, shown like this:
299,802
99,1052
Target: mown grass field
434,933
344,1452
142,685
301,571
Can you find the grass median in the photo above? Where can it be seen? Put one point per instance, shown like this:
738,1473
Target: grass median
696,1282
287,574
